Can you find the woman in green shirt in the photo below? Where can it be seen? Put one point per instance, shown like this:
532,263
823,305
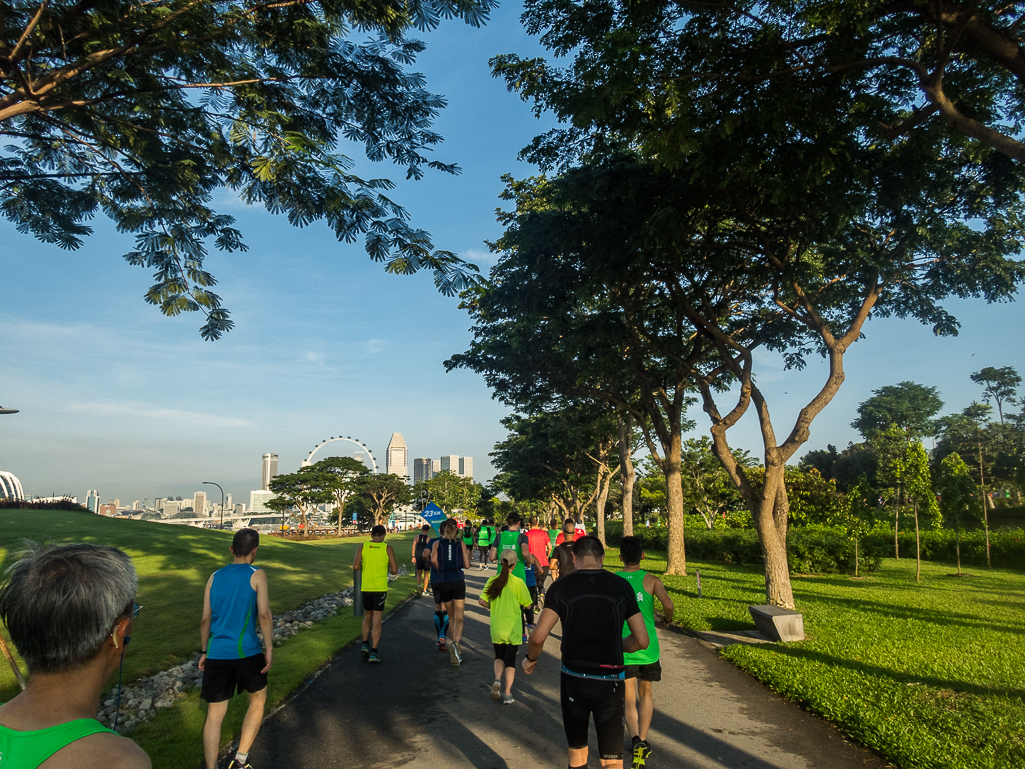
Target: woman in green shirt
506,595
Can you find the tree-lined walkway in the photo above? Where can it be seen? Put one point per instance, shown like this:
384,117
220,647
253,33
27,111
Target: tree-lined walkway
415,710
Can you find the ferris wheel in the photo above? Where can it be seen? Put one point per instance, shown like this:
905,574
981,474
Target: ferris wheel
369,460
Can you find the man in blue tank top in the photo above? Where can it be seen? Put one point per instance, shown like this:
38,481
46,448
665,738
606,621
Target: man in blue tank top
236,599
69,610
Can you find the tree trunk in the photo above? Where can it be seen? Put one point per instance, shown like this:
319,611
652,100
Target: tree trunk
599,509
771,523
629,474
896,527
957,545
918,548
982,488
677,556
856,559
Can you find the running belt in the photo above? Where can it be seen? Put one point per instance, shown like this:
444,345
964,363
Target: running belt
613,677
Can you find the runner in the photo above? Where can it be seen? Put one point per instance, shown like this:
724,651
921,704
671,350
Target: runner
561,562
423,567
231,658
468,532
485,534
514,539
69,611
440,615
592,605
642,668
506,595
540,548
449,558
376,560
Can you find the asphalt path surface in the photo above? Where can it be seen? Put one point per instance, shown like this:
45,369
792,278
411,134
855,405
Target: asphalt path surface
414,709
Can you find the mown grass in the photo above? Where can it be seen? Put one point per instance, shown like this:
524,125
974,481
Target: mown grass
930,675
174,563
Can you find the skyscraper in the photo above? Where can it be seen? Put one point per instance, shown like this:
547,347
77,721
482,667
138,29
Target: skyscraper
269,470
397,457
466,467
450,462
199,504
92,500
423,469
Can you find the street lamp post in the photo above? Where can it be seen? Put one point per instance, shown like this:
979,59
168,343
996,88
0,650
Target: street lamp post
211,483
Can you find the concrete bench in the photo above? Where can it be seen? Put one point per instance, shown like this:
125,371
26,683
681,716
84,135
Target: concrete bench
778,624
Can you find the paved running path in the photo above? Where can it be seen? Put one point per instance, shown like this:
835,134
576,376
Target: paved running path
415,710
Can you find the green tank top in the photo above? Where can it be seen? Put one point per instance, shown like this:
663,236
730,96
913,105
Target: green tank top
509,541
485,536
646,602
375,569
553,534
27,750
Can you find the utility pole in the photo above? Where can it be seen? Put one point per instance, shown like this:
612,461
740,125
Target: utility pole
982,486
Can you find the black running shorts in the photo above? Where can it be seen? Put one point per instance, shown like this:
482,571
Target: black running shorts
650,672
223,679
449,591
374,601
422,565
506,653
584,697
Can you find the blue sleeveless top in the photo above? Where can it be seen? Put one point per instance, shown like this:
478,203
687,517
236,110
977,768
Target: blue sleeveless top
450,560
233,628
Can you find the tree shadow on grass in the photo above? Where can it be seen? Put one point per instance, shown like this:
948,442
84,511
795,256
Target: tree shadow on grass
877,671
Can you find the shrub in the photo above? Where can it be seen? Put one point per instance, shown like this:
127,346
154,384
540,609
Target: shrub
811,550
1007,547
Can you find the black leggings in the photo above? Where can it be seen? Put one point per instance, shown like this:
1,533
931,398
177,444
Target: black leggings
584,697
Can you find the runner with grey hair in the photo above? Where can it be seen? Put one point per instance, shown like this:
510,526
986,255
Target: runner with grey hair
69,610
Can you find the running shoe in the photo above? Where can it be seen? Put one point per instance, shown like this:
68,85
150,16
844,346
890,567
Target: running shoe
641,752
496,691
453,654
374,657
365,651
236,765
441,644
507,699
524,638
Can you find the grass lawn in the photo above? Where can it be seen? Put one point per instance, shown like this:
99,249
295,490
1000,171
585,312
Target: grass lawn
929,675
174,563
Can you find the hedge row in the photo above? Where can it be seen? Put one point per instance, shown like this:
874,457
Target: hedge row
810,551
823,551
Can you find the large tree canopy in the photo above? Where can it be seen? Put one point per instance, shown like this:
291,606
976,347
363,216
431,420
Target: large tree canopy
141,111
908,405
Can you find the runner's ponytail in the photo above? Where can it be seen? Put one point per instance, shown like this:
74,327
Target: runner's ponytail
498,584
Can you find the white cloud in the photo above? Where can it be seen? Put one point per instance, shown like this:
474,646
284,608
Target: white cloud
479,257
149,412
374,346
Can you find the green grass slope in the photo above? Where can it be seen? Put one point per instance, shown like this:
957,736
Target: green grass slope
931,675
174,563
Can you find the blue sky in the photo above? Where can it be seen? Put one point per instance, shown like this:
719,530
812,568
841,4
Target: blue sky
116,397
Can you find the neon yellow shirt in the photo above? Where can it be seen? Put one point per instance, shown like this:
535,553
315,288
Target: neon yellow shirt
375,567
506,623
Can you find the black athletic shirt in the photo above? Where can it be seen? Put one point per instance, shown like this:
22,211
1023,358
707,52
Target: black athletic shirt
592,604
564,553
450,560
421,543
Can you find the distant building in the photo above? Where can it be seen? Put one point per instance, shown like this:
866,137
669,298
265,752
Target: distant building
109,510
227,502
397,458
466,467
435,466
170,508
423,469
92,500
136,505
10,487
240,509
199,504
269,470
258,501
450,462
158,502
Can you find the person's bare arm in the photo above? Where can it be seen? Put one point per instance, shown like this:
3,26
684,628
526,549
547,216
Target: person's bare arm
393,567
536,643
434,556
259,583
204,624
466,556
638,639
659,591
357,562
